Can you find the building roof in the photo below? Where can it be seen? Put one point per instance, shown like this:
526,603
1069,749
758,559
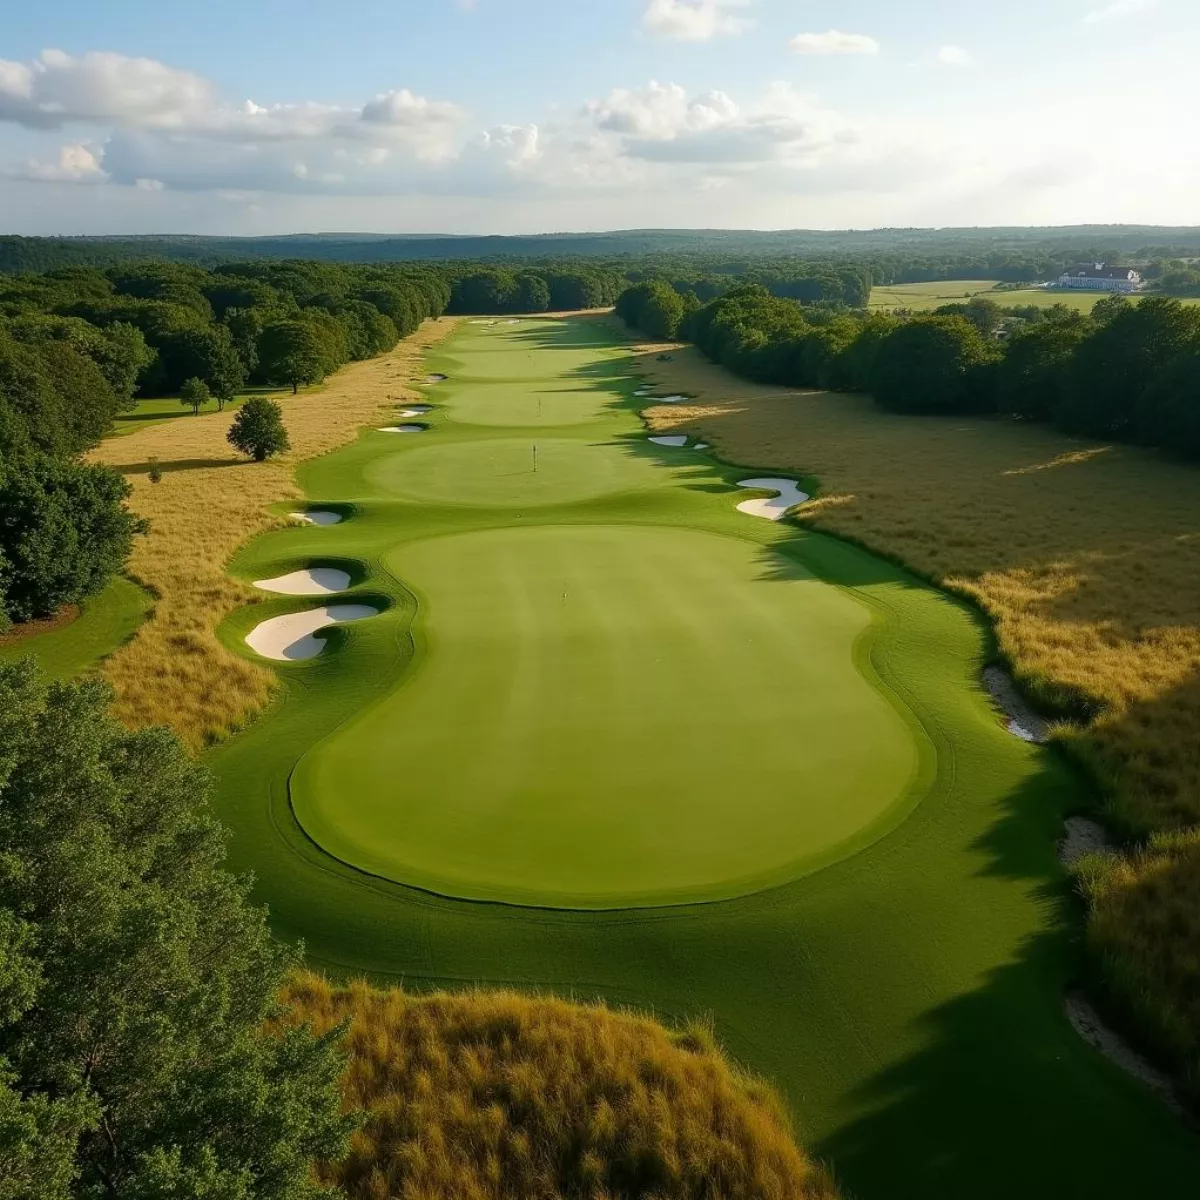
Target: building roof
1100,271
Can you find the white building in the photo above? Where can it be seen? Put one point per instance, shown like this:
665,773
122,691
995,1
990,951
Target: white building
1096,277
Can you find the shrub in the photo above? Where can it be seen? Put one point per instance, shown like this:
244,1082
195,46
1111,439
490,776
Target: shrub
258,429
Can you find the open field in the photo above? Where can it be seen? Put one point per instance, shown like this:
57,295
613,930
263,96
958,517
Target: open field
924,297
906,997
175,671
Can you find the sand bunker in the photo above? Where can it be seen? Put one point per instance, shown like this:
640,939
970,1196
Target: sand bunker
669,399
417,410
403,429
1096,1033
1082,836
773,508
1022,722
317,518
669,441
316,581
701,446
436,377
290,638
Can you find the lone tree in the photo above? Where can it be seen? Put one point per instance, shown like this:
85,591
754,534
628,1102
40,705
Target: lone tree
194,394
136,977
258,430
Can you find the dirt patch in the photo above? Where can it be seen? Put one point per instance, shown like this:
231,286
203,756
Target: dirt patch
29,629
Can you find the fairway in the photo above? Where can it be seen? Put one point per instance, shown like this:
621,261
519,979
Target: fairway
605,735
611,715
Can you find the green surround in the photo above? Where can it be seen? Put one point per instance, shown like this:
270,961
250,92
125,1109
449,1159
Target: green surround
907,997
607,715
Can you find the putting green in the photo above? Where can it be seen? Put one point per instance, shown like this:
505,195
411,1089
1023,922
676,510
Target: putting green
611,715
604,685
512,472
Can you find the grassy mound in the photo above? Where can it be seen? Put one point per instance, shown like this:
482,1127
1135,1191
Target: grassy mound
494,1094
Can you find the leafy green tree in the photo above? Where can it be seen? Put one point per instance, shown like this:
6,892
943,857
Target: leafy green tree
1117,364
1169,415
933,365
533,293
258,429
64,532
137,978
194,394
290,352
1033,377
206,353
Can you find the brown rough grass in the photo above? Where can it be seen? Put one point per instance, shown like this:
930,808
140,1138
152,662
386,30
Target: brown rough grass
499,1096
1087,558
175,671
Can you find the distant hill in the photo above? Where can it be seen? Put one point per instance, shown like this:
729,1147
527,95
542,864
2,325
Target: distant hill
1071,242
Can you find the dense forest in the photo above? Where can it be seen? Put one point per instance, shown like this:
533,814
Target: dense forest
1128,371
981,251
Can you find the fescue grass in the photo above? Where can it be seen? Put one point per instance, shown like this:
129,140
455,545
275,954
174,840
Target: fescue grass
1087,558
210,500
496,1095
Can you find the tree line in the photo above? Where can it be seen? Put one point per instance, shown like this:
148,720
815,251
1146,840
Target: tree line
80,345
1129,371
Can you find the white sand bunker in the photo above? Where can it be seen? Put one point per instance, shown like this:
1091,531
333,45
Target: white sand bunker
773,508
701,446
317,518
403,429
669,399
290,638
436,377
316,581
1023,721
669,441
417,410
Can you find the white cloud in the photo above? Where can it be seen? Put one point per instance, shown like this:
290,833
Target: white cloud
661,123
695,20
76,163
57,88
1118,9
955,56
149,185
833,41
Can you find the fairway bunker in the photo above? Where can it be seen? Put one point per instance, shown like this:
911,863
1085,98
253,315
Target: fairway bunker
290,638
701,446
673,440
314,581
435,378
417,410
668,399
317,517
403,428
773,508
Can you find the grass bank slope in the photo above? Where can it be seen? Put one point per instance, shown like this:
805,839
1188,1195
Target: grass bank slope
906,998
479,1095
175,671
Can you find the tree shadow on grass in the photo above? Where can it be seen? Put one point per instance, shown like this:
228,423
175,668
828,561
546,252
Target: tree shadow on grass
1001,1093
178,464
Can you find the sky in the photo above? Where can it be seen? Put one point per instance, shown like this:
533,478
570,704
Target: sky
527,116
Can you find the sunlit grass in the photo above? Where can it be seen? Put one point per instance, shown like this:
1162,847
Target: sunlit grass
210,500
489,1095
1087,558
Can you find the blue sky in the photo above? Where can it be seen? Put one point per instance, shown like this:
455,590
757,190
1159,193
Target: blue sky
262,116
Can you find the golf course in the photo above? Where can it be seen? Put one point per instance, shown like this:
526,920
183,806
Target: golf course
574,711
